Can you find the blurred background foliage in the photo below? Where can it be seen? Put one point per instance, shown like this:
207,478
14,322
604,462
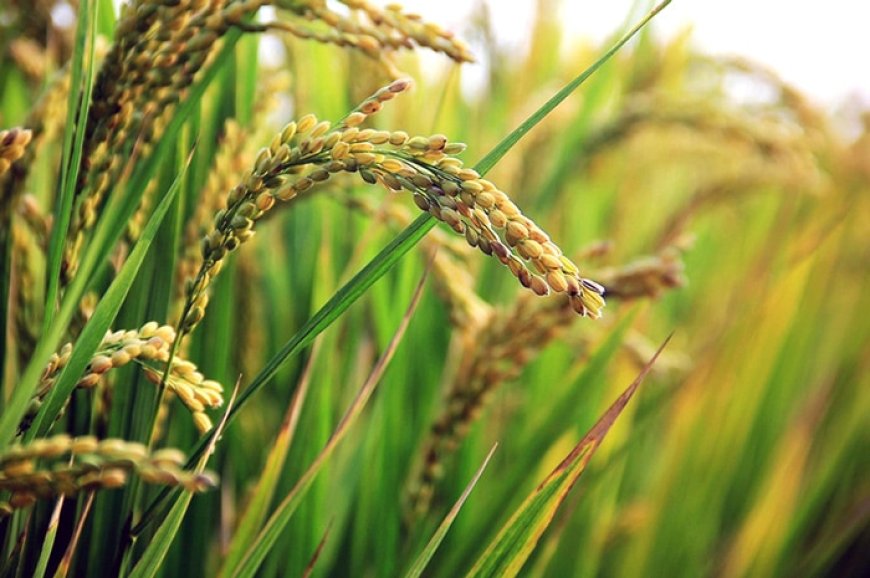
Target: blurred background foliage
739,223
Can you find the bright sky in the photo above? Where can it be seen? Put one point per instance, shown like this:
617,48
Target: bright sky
820,47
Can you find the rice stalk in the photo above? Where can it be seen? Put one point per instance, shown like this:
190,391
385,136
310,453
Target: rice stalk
424,166
159,49
64,466
503,343
148,347
368,28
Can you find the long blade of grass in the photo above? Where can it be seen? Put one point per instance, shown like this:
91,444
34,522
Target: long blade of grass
425,556
510,140
391,254
103,316
66,562
270,533
81,85
256,510
309,569
506,555
48,539
152,558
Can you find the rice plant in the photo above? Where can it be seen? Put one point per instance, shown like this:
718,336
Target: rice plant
279,301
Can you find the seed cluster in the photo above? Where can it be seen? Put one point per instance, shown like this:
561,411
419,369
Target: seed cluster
160,46
490,221
647,277
26,309
499,349
372,29
233,157
425,166
44,122
12,145
148,346
230,162
191,387
63,465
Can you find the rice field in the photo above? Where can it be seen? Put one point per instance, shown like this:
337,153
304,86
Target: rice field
328,314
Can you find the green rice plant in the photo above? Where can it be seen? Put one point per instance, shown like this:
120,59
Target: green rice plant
403,407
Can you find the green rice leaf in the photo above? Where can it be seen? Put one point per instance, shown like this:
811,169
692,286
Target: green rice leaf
270,533
432,546
82,72
152,558
506,555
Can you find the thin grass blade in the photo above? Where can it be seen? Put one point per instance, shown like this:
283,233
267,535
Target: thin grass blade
435,541
309,569
506,555
267,538
48,539
255,513
152,558
81,85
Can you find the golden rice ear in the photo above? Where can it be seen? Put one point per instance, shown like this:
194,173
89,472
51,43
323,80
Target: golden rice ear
471,206
63,465
494,353
12,145
374,31
149,347
647,277
161,47
487,218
